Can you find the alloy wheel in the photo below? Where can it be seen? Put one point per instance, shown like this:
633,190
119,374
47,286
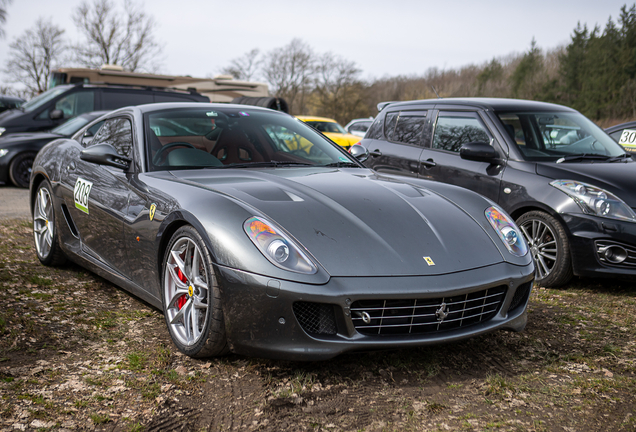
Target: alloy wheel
43,223
543,246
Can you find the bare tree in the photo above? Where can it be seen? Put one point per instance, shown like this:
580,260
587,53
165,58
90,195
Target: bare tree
289,71
245,67
338,88
3,14
112,37
34,54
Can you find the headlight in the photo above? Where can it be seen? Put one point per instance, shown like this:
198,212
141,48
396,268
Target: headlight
2,130
277,247
508,231
596,201
3,152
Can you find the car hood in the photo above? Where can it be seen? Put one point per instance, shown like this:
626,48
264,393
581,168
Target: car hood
356,223
8,115
618,178
22,137
343,140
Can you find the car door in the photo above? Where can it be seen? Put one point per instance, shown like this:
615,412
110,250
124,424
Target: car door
405,132
440,160
99,200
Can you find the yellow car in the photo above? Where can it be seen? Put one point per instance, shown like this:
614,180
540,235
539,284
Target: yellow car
332,130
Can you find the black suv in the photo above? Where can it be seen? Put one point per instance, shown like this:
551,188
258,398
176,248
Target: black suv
568,185
56,105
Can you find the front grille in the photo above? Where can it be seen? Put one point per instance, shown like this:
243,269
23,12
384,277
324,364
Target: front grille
426,315
316,318
602,245
521,296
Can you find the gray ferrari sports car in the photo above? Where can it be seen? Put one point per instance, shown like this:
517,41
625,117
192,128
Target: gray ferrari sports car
255,234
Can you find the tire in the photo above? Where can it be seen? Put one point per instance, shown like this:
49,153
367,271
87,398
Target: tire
191,296
20,169
549,247
47,244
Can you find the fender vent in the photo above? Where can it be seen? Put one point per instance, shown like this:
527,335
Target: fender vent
69,221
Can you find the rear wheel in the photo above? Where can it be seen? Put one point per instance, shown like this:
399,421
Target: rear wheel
20,169
549,247
47,246
191,296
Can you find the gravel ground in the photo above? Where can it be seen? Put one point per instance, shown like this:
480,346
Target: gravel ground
14,203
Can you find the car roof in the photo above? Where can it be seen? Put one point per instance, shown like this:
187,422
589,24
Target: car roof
620,126
314,118
174,105
494,104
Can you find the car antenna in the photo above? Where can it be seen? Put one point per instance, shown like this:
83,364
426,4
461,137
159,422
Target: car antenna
437,94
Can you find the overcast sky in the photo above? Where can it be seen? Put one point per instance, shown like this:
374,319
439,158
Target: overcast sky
199,37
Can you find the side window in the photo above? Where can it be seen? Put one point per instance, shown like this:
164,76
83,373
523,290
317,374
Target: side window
73,104
116,132
409,128
389,124
453,130
112,99
375,131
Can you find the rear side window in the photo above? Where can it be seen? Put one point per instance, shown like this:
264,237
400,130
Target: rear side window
454,130
409,128
112,99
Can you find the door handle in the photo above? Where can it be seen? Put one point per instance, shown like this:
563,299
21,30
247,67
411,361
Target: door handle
428,163
375,153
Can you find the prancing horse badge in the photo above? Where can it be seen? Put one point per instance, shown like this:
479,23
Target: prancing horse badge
153,207
429,261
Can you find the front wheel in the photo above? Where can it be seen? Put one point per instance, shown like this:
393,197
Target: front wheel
47,246
549,247
20,169
191,296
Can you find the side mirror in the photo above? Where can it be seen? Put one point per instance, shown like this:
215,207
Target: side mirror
479,152
56,114
105,154
359,152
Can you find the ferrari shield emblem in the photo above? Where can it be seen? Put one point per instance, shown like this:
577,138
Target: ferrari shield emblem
153,207
429,261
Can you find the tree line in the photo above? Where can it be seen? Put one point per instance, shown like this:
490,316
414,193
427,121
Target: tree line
594,73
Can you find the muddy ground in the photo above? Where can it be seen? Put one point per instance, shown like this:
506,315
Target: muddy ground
76,352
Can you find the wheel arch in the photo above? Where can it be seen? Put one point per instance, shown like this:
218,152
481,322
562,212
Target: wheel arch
519,211
38,177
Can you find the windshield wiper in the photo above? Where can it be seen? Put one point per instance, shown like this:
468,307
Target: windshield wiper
620,157
276,164
341,164
583,156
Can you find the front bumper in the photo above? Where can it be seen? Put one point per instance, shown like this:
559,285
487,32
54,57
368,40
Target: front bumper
589,234
260,319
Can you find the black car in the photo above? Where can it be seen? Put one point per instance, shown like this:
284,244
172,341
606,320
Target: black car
9,102
254,233
18,150
625,135
61,103
568,185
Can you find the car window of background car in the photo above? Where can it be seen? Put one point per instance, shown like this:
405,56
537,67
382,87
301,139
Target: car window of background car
116,132
360,126
389,124
453,131
328,127
112,99
43,98
71,126
375,130
409,128
73,104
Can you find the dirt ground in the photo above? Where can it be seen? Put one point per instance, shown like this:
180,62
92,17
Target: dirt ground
78,353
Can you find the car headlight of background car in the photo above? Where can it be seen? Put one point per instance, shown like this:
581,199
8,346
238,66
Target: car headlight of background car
277,247
3,152
508,231
596,201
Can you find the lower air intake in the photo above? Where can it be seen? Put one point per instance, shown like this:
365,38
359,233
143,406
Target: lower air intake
316,318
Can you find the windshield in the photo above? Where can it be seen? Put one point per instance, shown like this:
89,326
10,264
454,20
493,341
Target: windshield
329,127
558,136
71,126
184,138
43,98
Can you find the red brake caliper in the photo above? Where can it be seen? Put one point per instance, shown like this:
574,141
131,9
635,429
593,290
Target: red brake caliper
183,299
